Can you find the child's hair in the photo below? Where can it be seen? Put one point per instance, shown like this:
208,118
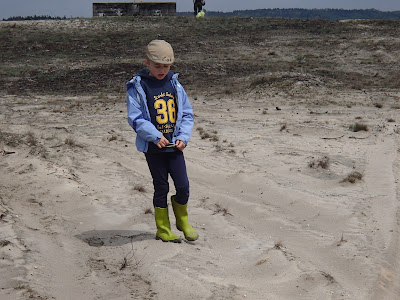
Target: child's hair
160,51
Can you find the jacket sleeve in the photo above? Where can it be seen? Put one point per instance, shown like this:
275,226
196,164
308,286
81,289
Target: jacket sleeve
135,107
186,125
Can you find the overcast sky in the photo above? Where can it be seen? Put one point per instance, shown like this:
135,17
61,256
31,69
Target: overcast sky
83,8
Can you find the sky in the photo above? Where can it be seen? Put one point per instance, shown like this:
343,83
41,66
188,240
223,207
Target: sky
83,8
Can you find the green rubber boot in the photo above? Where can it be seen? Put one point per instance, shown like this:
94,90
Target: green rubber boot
182,223
164,232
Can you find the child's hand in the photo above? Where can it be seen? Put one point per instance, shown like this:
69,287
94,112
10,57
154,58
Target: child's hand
162,142
180,145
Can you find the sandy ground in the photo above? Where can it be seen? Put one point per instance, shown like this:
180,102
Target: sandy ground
278,215
272,223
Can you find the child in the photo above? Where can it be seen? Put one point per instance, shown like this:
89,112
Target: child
198,6
160,113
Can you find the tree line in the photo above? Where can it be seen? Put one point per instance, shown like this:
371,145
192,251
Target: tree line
35,18
300,13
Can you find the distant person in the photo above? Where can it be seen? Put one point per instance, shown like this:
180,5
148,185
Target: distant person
198,6
160,113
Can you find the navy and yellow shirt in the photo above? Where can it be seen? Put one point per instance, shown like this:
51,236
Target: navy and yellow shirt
161,102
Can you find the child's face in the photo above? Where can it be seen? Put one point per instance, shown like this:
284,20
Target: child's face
157,70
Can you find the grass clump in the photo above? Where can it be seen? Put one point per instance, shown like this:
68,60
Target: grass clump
72,143
353,177
259,81
207,135
204,135
278,245
39,150
358,127
11,139
219,209
4,243
112,138
214,138
30,139
323,163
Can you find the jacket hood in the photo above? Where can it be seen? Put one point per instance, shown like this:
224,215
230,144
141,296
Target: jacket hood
146,74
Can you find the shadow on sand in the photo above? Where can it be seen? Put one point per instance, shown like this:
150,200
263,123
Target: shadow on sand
98,238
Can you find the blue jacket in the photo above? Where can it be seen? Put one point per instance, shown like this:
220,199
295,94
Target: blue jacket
139,116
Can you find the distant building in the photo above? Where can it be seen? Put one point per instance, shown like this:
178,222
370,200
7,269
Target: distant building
134,9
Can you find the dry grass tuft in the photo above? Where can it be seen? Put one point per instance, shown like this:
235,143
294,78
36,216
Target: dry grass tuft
39,150
328,277
130,259
259,81
219,148
4,243
139,188
11,139
148,211
358,127
323,163
112,138
20,286
204,200
204,135
342,240
278,245
260,262
30,139
32,294
353,177
207,135
214,138
71,142
222,210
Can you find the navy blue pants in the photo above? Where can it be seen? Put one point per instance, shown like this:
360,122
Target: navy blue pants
198,7
163,164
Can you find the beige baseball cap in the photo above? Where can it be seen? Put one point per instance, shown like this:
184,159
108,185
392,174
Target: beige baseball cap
159,51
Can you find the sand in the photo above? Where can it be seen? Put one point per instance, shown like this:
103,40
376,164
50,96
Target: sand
272,223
